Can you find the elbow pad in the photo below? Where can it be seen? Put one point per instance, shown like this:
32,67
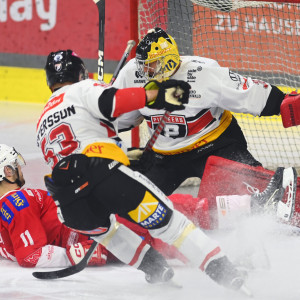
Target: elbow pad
105,103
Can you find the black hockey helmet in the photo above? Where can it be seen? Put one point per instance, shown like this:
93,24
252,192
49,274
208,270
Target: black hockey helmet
64,66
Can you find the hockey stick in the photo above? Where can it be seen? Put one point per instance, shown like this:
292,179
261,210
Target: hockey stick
143,159
70,270
157,132
85,260
130,45
101,12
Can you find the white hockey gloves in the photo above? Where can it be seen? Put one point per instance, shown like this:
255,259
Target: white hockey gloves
172,94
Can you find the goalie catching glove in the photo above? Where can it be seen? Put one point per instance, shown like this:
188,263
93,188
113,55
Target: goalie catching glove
172,94
77,251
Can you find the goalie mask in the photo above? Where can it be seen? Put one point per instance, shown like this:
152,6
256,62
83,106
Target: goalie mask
9,157
157,55
64,66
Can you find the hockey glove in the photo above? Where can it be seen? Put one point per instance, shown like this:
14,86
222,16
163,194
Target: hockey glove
290,110
77,251
172,94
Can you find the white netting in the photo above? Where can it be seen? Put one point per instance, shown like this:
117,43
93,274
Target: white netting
254,38
228,5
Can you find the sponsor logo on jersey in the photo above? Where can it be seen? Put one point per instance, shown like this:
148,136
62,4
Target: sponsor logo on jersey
260,82
140,81
140,77
6,214
241,81
29,192
193,94
190,75
149,213
171,119
234,76
245,84
18,200
138,74
94,149
51,104
175,126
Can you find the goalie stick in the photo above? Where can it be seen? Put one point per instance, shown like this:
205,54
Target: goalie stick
85,260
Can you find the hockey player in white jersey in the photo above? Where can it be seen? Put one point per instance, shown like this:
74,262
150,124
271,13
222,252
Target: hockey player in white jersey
206,125
91,182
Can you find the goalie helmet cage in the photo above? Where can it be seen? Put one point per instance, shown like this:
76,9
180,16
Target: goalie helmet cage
254,38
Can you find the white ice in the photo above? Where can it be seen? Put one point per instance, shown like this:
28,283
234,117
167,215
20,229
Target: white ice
267,249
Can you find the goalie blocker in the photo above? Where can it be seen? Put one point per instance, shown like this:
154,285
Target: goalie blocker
290,110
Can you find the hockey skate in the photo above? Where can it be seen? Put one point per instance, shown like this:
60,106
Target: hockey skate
156,268
279,196
223,272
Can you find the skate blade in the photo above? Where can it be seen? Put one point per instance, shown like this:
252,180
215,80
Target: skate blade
246,291
174,284
171,283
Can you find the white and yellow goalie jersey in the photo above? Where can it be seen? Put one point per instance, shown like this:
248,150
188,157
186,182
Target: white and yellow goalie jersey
215,93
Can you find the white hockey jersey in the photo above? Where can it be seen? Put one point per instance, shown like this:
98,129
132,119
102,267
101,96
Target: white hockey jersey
215,93
72,122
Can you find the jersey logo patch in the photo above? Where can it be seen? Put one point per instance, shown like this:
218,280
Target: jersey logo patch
149,213
175,126
18,200
6,213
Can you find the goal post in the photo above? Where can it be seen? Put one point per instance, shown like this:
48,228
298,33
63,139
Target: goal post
253,38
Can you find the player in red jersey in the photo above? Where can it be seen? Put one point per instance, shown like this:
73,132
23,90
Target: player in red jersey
30,232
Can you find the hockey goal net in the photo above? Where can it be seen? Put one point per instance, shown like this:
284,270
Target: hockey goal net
254,38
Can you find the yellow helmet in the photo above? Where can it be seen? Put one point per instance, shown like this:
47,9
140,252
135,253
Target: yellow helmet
157,55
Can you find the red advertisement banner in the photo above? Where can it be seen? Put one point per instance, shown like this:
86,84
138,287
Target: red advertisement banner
250,38
36,27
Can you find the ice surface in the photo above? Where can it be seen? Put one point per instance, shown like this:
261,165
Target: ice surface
268,250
